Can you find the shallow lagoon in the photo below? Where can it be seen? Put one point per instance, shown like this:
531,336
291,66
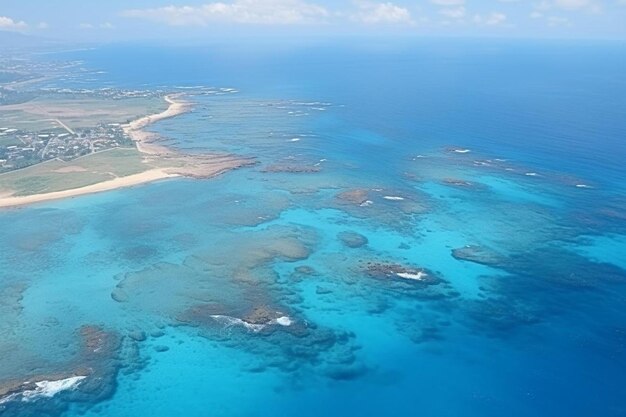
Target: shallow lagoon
521,312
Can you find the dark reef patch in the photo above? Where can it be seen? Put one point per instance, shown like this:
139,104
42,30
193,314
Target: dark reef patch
92,372
278,340
479,255
352,239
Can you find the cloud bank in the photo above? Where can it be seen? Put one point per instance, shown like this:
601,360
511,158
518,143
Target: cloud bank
6,23
258,12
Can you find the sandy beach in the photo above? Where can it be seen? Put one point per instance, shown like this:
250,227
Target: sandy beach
172,164
135,129
122,182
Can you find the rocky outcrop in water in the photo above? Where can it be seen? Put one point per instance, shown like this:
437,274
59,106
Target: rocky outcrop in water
87,379
478,254
352,239
384,270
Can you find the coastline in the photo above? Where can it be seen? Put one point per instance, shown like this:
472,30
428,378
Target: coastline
135,129
201,166
120,182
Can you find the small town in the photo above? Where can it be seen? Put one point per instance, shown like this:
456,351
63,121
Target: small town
30,148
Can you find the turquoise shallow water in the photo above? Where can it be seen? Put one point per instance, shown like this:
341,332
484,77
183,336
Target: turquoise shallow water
520,312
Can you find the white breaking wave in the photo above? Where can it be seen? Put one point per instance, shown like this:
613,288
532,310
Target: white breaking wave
229,321
393,198
462,150
284,321
45,389
8,398
420,276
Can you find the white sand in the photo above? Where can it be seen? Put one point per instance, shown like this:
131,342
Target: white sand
122,182
135,131
142,138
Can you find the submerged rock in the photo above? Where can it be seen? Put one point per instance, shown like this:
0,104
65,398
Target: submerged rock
323,291
383,270
137,335
357,196
291,168
260,315
478,254
87,379
119,295
305,270
455,182
352,239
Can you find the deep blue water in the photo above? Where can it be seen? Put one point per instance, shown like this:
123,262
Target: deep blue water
528,320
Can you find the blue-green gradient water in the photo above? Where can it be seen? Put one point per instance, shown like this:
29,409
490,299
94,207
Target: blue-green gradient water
495,168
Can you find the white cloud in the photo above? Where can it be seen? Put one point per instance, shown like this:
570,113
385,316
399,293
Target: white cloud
91,26
374,13
572,4
263,12
492,19
448,2
453,12
6,23
547,9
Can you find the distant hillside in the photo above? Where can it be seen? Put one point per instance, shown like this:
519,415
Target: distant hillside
14,41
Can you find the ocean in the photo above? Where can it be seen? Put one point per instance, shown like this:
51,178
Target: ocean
433,227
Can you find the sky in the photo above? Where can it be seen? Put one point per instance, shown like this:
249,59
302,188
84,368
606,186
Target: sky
135,20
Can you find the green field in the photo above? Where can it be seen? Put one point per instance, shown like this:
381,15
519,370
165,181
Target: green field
58,175
39,114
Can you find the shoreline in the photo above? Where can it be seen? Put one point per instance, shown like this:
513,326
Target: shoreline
109,185
135,129
141,138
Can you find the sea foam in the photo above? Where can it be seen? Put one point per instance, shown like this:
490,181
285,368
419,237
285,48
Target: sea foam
45,389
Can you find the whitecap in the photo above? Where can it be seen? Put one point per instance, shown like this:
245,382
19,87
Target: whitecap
229,321
284,321
462,151
48,389
366,203
393,198
583,186
8,398
420,276
531,174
